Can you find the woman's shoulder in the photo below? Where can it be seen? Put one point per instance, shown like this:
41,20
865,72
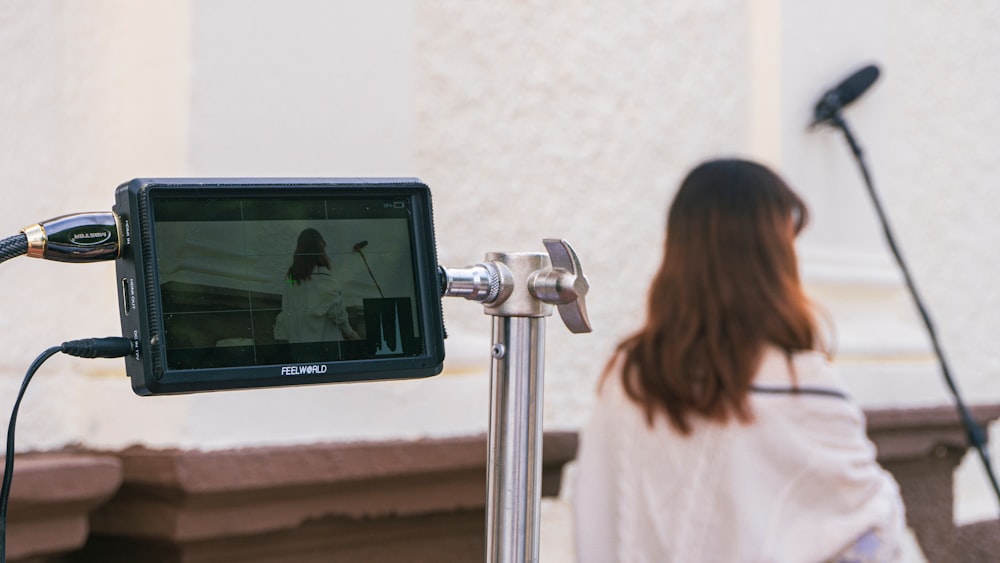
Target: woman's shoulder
322,276
803,369
804,390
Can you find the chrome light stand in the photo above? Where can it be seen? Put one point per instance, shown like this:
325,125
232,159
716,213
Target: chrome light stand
519,290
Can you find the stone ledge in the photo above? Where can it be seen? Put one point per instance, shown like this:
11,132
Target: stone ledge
375,498
916,433
376,501
921,448
52,496
453,537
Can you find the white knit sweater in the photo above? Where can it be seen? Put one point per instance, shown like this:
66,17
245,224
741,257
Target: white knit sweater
799,484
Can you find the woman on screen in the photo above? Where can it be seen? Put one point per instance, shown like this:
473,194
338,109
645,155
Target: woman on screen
720,432
312,307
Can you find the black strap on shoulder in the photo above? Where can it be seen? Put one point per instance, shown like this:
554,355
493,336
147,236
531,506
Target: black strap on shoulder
821,391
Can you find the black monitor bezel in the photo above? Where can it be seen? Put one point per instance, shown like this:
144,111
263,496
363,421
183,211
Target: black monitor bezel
139,294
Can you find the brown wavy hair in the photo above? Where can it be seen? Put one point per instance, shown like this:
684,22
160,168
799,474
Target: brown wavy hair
310,253
728,287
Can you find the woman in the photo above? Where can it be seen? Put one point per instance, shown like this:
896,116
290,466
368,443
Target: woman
312,307
719,433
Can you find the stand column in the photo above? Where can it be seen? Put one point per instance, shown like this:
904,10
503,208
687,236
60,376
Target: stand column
515,440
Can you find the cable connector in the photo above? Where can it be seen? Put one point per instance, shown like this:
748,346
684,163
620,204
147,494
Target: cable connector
108,347
81,237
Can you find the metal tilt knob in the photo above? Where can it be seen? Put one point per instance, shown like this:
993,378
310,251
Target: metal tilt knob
519,290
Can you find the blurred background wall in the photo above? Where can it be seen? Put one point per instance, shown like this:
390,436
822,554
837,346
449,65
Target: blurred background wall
528,119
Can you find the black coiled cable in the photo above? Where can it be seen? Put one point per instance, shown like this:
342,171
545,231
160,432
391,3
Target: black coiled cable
12,247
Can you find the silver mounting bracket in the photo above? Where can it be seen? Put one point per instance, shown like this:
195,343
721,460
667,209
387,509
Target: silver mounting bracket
526,284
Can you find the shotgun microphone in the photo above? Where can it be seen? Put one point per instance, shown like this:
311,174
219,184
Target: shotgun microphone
844,94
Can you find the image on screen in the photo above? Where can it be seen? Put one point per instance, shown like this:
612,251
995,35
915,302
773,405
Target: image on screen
253,282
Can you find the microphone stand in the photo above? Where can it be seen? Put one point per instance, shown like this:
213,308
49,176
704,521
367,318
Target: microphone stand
975,433
370,274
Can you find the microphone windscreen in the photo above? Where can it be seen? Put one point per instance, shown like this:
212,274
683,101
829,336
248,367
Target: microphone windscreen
844,93
359,245
856,84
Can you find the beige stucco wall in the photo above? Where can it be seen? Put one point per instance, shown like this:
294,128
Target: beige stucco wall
941,182
555,120
528,120
91,93
941,174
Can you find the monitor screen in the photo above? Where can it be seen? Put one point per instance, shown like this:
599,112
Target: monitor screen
327,282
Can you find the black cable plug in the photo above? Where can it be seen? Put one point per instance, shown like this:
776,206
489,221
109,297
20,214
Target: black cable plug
108,347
